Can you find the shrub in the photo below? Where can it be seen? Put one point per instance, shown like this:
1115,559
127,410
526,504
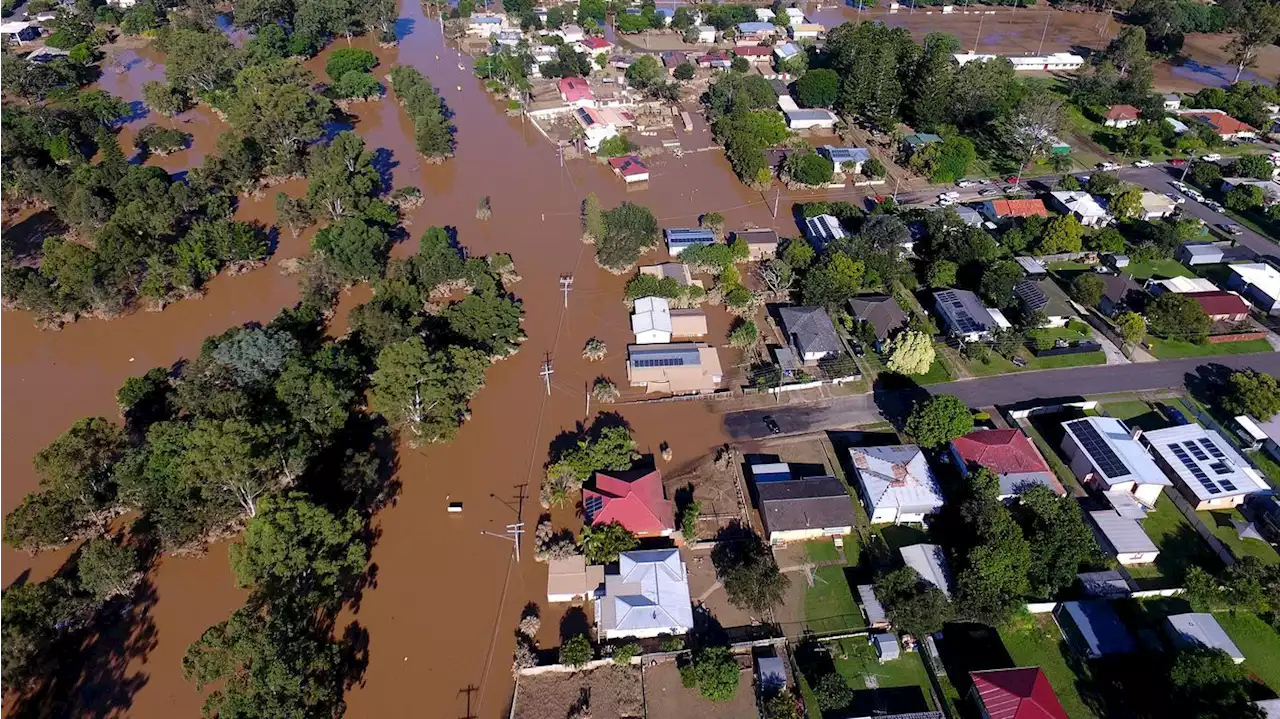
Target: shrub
346,59
615,146
576,651
357,84
161,140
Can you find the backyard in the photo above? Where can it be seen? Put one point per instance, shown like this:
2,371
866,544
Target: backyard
1220,523
1180,548
828,602
1035,641
900,685
1259,643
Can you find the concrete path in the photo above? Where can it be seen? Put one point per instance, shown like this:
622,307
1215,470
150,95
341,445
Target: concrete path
1113,353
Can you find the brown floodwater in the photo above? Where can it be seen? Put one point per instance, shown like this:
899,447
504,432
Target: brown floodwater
447,598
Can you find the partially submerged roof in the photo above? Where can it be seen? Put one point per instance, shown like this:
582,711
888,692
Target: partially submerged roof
809,329
896,476
1113,452
572,576
930,562
1124,535
1201,629
1022,693
761,236
650,591
651,314
810,503
684,236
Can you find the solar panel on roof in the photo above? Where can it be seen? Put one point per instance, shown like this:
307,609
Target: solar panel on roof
1213,448
1031,295
1194,468
1196,451
1103,456
659,362
592,505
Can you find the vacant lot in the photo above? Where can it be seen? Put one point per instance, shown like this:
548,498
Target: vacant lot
607,692
1259,643
713,483
666,698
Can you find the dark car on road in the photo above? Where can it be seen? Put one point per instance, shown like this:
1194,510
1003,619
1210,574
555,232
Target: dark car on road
771,424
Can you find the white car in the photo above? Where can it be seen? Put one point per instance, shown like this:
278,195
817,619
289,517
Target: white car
1143,163
1212,157
1178,186
1195,195
1109,166
945,201
965,183
1177,199
1213,206
953,195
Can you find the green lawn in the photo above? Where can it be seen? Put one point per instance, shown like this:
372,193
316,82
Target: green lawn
1180,548
829,604
821,550
937,374
1077,360
896,536
996,364
1174,349
855,659
1159,269
1126,409
1220,522
1035,641
1259,643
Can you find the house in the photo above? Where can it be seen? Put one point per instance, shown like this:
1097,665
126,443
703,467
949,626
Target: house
1044,295
1008,453
918,140
1265,433
1123,537
1204,466
630,168
667,14
895,483
973,218
621,62
803,509
794,14
1156,205
758,29
677,368
485,24
1121,116
886,646
19,32
1082,205
786,51
651,321
1172,102
1227,127
678,238
672,60
822,230
648,596
1093,629
510,38
930,562
805,119
601,124
1222,306
755,54
881,312
846,159
764,14
1020,693
706,34
872,609
806,31
1258,282
761,244
1102,452
688,323
570,34
963,315
1200,253
1180,285
594,45
674,270
1270,188
571,579
1195,630
1120,293
997,210
770,472
576,92
716,60
810,333
637,504
1106,584
1052,62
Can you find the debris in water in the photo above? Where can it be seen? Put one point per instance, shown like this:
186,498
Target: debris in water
131,359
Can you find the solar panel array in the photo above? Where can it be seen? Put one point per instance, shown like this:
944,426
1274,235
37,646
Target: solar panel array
592,505
1194,468
1103,456
963,321
658,362
1031,295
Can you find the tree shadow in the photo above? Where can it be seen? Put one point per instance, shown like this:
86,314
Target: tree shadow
574,623
23,241
1208,382
384,163
355,655
895,395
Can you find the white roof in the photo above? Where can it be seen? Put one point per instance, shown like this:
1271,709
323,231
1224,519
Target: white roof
896,476
1205,461
1201,628
1248,425
1124,535
1124,504
1154,201
786,103
12,28
871,604
651,313
794,12
764,13
1181,285
930,563
649,592
1134,464
998,317
1263,276
1080,202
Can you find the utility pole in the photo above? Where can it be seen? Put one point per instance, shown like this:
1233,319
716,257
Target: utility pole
547,372
566,284
978,39
511,535
1040,49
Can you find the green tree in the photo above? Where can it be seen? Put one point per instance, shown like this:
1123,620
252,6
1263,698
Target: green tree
1087,289
1176,316
31,618
689,517
941,273
684,71
345,59
1252,393
604,542
910,353
744,334
277,106
356,248
1062,545
426,391
198,61
1108,239
832,282
165,98
609,449
913,605
1131,326
1207,683
818,88
1257,166
833,692
714,672
1256,24
294,548
1206,174
341,178
993,579
576,651
108,569
254,355
749,573
592,218
629,231
233,456
489,321
1126,204
809,168
1063,233
357,85
1243,198
938,420
998,281
644,72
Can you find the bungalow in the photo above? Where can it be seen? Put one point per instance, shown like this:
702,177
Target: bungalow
764,14
1172,102
998,210
674,270
1021,693
810,333
882,313
1120,293
802,509
600,124
1010,455
758,29
1044,295
761,244
1156,205
846,159
895,483
1222,306
678,238
1258,282
930,562
1093,629
630,168
794,14
510,38
1121,116
755,54
651,321
805,119
786,51
486,25
1206,468
594,45
1081,204
647,596
571,579
678,368
1199,630
806,31
822,230
637,504
1226,126
716,60
570,34
964,316
1123,537
621,62
706,34
672,60
1102,452
576,92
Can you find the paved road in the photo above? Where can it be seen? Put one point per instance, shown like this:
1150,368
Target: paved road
1001,390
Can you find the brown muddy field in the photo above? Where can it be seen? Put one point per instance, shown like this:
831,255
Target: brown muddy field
441,614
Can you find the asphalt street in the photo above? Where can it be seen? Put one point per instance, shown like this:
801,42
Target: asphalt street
1017,388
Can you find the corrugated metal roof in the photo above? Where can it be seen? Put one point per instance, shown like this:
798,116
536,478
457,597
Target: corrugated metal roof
688,236
1124,535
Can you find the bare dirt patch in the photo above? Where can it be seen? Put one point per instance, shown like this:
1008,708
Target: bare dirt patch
665,696
610,692
713,482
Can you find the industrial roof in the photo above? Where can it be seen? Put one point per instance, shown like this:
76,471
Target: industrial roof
1125,504
1113,452
1030,265
896,476
750,28
886,646
930,562
1124,535
871,604
1200,628
1205,462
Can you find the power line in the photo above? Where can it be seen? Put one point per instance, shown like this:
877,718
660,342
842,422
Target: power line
547,372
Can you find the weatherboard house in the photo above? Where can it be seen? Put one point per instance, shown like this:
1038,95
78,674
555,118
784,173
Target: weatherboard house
1010,455
1101,451
647,596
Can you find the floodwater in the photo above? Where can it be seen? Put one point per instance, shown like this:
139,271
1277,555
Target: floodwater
441,616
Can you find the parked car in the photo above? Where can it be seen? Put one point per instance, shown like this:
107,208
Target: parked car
1018,361
965,183
1177,199
989,193
1215,206
1108,166
1177,162
1231,228
1012,180
858,351
771,424
1143,163
1194,194
1175,415
1212,157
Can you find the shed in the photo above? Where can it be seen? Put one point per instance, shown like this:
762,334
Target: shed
1093,629
572,579
1117,261
1031,266
1123,537
871,607
930,562
1200,253
886,647
1108,584
771,472
1200,629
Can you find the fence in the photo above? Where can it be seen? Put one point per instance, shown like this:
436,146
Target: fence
1237,337
1190,513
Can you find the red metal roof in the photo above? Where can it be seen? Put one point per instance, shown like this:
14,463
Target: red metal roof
638,505
1017,694
1003,451
1219,303
1122,112
596,43
629,165
574,89
1225,124
753,50
1019,208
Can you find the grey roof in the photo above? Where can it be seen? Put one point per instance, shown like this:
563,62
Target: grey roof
1200,628
1205,462
688,236
896,476
841,155
1121,289
1030,265
1125,504
886,646
1247,530
757,237
809,329
1202,249
1098,626
808,114
1044,295
973,218
650,591
882,311
1104,584
930,562
1270,708
823,229
962,311
812,503
1124,535
921,138
666,355
747,28
871,604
